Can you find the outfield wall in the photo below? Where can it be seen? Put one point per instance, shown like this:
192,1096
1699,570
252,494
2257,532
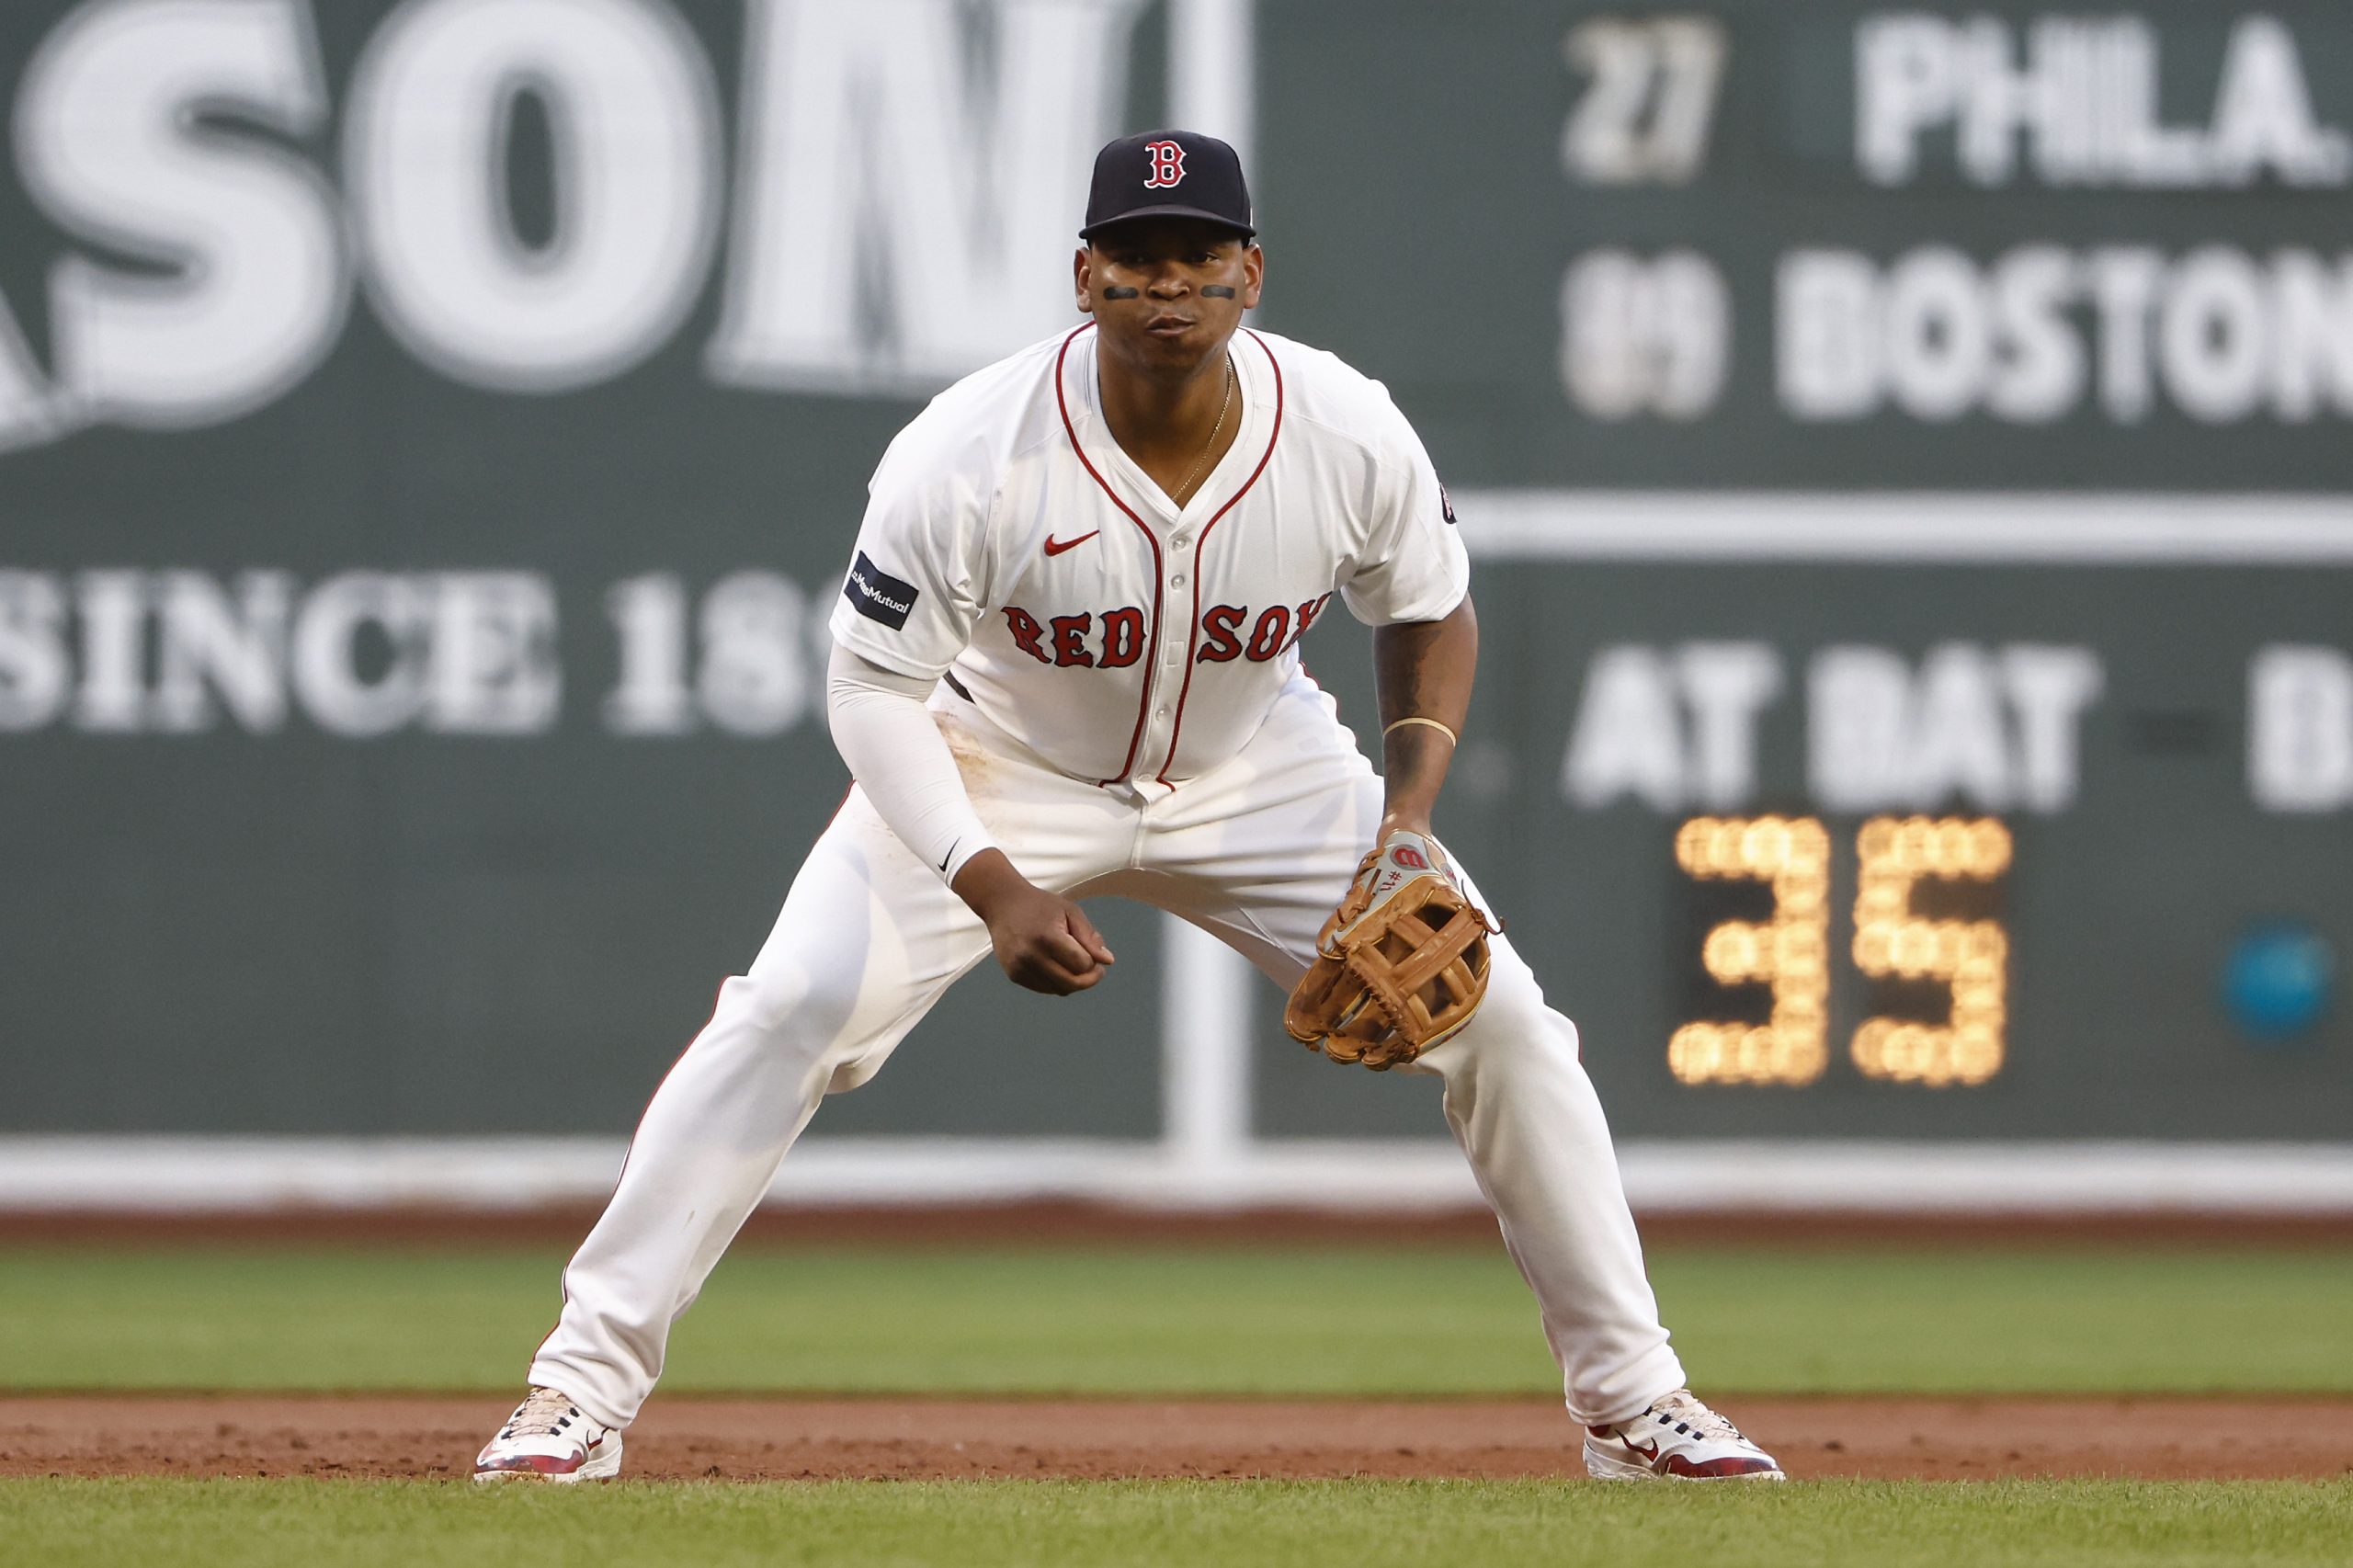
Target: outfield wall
1912,512
1712,1179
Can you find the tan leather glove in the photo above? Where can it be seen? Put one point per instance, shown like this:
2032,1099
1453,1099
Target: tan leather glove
1400,965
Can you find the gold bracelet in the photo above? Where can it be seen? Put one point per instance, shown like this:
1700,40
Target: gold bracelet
1417,719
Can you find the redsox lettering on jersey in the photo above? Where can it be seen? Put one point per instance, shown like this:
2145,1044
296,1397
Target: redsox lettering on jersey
1071,641
1125,639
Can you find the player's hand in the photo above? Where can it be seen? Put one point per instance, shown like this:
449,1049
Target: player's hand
1043,941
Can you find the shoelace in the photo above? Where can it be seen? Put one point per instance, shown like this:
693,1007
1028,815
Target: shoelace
1687,1409
542,1413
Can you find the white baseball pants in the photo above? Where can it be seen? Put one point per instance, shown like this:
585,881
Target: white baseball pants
1257,852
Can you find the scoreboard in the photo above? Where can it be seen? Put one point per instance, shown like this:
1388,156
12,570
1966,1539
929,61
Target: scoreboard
1829,245
1894,941
1905,448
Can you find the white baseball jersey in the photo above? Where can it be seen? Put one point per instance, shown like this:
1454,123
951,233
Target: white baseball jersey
1108,636
1010,541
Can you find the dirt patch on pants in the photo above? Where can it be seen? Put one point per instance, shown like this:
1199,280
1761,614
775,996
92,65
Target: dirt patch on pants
765,1439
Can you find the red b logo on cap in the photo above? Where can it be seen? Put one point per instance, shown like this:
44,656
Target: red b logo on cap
1167,164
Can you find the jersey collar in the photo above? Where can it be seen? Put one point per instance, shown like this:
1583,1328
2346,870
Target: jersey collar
1257,388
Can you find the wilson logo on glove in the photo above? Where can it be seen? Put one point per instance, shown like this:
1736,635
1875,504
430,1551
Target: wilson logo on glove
1400,966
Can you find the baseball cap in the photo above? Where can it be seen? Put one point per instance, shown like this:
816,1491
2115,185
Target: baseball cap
1168,174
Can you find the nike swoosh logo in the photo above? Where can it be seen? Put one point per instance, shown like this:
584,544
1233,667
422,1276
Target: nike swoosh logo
1648,1450
951,848
1056,546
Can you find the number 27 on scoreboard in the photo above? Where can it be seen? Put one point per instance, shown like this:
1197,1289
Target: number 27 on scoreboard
1896,943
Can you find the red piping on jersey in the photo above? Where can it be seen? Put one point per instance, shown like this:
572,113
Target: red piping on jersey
1194,633
1152,645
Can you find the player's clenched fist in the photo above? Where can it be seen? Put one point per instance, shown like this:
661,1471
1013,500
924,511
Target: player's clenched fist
1044,940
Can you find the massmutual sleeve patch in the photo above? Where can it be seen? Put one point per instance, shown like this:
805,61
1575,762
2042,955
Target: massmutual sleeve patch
878,595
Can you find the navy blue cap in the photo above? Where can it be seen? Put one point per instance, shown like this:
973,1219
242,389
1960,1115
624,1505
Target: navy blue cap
1168,174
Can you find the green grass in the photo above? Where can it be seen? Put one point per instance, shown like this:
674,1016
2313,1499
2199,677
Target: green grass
63,1524
1181,1321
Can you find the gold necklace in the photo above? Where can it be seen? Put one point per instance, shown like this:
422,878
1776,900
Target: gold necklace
1185,485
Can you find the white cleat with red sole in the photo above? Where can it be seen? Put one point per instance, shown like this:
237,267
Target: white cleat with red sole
551,1438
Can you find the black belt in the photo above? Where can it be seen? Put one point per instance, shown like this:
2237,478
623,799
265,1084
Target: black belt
957,686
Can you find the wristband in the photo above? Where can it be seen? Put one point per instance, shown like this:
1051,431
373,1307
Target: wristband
1416,719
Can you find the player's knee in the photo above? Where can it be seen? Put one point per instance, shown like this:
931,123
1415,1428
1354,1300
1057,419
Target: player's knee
756,1005
857,1070
1518,1002
1513,1027
785,1003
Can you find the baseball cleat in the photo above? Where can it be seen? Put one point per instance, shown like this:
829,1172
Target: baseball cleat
1678,1438
550,1438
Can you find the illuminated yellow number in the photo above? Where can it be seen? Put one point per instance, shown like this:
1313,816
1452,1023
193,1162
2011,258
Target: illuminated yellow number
1972,956
1790,953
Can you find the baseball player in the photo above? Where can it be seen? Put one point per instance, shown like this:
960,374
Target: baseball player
1066,664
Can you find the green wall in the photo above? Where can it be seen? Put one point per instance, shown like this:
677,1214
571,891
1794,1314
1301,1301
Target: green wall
408,707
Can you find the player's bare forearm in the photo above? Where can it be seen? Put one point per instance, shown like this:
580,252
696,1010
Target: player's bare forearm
1043,941
1422,669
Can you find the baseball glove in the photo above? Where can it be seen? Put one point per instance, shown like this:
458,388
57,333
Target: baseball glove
1401,964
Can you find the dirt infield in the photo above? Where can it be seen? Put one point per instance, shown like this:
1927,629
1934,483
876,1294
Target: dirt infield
1063,1224
1942,1439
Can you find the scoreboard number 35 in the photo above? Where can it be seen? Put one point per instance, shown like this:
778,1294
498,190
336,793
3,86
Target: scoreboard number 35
1915,934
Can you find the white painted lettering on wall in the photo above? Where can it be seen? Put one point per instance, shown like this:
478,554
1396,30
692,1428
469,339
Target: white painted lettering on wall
2078,97
633,113
242,277
901,218
2300,729
366,653
1992,727
1995,728
884,147
2040,331
1674,728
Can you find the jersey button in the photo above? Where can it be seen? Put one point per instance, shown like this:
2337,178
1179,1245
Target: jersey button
1178,580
